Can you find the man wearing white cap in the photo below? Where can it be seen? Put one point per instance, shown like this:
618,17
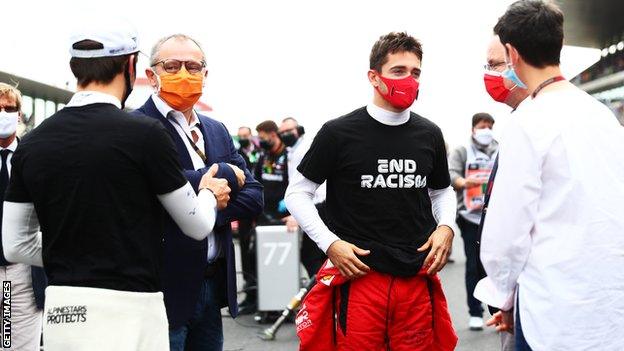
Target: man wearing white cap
96,180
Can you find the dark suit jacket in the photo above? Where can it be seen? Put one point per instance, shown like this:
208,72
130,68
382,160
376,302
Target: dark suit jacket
184,259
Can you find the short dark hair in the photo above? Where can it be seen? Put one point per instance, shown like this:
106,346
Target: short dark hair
392,43
481,116
290,119
245,127
535,29
96,69
267,127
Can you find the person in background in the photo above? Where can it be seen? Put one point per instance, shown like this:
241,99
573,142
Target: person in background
294,137
246,227
247,149
272,172
470,167
504,91
27,282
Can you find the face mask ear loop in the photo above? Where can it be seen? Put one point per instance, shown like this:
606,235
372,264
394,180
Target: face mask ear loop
512,88
158,80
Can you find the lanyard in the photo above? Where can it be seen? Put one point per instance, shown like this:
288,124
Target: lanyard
546,83
197,150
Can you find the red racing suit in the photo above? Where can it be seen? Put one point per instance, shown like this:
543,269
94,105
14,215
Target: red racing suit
376,312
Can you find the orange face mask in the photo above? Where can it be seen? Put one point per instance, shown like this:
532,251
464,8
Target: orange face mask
180,90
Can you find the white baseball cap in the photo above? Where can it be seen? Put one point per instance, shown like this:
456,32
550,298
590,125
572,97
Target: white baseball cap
118,38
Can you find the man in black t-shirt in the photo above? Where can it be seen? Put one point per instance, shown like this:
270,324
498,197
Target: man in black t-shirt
96,179
246,226
389,210
272,171
247,148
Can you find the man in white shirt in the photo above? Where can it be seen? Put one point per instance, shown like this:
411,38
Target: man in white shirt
554,233
504,91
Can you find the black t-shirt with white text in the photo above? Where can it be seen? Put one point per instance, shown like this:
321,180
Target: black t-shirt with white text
93,173
377,185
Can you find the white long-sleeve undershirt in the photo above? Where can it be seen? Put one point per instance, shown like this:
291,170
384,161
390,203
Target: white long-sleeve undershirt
21,238
194,214
300,203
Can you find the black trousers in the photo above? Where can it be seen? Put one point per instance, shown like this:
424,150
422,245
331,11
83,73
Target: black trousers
469,232
312,257
247,235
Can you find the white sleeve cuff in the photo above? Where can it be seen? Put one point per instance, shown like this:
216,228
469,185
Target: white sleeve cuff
486,292
444,206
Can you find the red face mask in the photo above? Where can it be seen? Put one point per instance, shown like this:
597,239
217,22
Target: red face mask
496,87
401,92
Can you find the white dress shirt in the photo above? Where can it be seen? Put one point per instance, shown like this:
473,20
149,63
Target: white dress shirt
301,191
184,129
555,223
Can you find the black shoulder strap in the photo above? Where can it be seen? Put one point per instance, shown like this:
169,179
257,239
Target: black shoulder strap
197,150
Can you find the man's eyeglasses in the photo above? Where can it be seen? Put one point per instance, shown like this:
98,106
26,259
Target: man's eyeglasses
494,65
9,109
174,66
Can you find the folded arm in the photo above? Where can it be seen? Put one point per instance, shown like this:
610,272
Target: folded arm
194,214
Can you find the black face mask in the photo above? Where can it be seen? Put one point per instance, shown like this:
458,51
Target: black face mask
266,144
128,83
288,138
244,142
300,130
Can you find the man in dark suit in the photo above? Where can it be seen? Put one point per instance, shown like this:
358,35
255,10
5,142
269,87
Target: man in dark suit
198,277
27,282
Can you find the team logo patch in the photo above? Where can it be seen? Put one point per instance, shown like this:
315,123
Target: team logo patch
327,279
303,321
66,314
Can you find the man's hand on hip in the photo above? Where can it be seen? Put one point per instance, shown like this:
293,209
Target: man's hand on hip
218,186
440,242
344,256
